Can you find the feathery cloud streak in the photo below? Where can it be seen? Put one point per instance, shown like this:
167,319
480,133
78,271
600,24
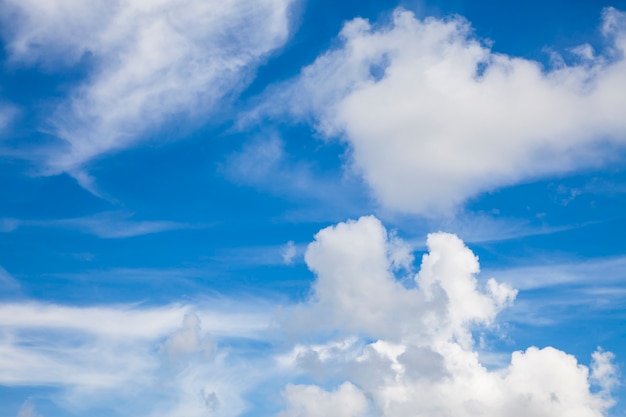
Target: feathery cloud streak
150,61
106,225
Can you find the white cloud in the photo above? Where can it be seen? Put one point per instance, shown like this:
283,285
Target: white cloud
604,373
117,224
149,60
107,225
8,225
28,410
368,342
312,401
288,252
264,163
7,282
423,361
433,117
136,360
490,227
356,288
606,271
7,113
188,339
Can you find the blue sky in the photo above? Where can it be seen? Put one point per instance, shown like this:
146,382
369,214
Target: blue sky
302,208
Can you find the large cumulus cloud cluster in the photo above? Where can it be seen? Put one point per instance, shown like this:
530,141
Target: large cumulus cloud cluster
408,348
373,339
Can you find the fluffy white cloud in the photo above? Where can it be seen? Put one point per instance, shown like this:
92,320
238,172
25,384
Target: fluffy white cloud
423,361
433,116
149,60
312,401
357,290
374,339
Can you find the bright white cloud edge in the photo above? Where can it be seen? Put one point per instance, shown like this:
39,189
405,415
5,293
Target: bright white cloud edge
377,343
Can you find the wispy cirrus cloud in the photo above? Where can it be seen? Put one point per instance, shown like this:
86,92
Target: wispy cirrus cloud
265,163
114,225
150,62
107,225
606,272
7,282
124,355
28,410
7,113
432,116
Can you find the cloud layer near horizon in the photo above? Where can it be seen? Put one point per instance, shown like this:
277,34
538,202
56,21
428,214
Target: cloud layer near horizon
373,339
433,116
148,61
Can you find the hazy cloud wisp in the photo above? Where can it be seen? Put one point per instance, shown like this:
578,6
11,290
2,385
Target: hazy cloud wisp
150,60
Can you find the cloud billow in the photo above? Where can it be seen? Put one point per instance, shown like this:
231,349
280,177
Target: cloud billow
367,343
423,360
433,116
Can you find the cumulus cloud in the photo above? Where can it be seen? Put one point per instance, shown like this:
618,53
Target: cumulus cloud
603,371
356,287
375,338
423,360
312,401
433,116
148,60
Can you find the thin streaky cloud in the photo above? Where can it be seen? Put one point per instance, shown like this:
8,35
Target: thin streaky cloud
590,272
106,225
7,282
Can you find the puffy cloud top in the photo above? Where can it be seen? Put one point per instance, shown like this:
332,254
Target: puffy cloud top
375,343
422,361
356,287
434,117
